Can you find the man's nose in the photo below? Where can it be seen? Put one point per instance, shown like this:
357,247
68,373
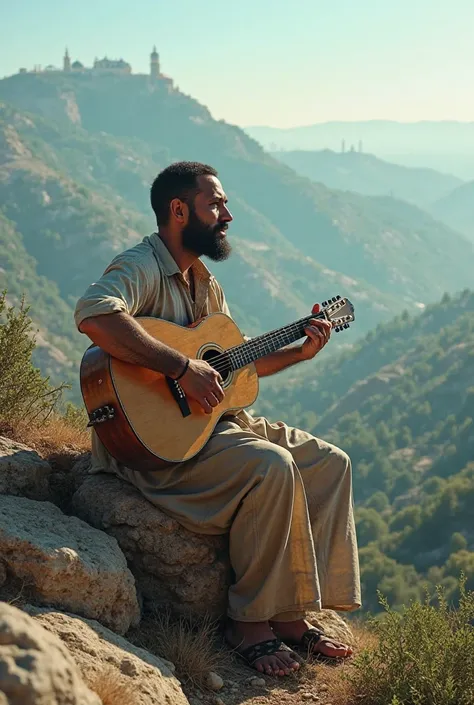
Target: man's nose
226,215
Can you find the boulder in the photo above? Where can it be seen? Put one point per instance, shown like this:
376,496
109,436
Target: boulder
35,667
101,654
66,563
69,470
172,566
22,471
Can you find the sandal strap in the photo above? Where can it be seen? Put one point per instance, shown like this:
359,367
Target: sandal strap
262,648
311,637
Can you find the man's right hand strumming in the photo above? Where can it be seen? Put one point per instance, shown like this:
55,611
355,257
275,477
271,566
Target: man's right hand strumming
202,383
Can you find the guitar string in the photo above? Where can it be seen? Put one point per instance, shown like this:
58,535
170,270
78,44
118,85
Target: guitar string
221,362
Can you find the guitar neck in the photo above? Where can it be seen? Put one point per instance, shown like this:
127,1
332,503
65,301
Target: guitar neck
262,345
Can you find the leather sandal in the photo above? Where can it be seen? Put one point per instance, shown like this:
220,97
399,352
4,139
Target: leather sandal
269,647
309,639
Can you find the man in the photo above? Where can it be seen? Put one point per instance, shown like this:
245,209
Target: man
284,496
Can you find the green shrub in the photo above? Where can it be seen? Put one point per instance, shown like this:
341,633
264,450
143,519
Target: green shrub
75,416
24,394
424,656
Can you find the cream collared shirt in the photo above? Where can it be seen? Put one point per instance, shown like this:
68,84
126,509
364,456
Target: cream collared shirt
146,281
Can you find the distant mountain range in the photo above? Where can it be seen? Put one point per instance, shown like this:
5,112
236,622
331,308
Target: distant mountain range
446,146
366,174
77,155
446,197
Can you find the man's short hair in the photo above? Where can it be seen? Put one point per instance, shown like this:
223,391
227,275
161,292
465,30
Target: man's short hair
179,180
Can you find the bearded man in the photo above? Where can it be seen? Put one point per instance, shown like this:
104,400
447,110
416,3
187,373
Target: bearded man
283,496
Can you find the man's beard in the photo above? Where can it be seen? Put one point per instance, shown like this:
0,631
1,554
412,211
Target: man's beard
202,239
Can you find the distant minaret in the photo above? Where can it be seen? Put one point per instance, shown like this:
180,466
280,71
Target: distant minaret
360,146
343,146
154,64
66,61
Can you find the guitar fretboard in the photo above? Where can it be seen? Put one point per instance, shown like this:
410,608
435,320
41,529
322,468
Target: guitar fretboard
267,343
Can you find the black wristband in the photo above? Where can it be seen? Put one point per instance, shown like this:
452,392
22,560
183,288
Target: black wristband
185,369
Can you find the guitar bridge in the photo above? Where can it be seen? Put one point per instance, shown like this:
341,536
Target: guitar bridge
179,396
100,415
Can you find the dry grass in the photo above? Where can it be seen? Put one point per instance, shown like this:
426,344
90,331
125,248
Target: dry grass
52,438
112,687
340,690
17,592
192,644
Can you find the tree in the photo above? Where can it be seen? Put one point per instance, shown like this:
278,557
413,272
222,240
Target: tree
24,394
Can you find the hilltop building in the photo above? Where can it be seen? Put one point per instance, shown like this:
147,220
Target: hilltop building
154,64
67,61
104,66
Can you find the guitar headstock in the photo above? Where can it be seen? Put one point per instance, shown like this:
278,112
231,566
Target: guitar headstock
339,311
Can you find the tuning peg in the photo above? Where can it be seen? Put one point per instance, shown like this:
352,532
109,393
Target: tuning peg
334,299
346,325
324,304
337,329
338,297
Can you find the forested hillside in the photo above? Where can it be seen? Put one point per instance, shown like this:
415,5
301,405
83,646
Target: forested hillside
77,155
401,403
145,127
457,209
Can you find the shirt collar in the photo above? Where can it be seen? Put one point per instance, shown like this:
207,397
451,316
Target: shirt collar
169,264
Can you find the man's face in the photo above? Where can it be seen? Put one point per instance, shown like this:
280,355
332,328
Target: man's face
209,218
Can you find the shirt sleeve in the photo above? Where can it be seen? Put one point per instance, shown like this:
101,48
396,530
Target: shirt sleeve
126,285
220,298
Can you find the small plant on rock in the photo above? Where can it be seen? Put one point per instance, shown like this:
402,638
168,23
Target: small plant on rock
191,643
112,687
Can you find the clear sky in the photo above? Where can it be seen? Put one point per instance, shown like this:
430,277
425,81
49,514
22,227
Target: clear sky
273,62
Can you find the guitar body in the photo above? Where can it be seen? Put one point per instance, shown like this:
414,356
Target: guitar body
148,429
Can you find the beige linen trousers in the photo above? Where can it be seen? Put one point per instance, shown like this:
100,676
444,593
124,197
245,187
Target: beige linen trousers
283,496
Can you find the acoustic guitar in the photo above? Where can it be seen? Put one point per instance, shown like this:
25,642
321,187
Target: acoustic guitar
145,420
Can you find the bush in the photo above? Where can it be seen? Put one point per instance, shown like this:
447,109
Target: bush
424,656
75,416
24,394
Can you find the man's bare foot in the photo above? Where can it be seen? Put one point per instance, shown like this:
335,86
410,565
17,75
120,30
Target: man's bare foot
293,631
241,635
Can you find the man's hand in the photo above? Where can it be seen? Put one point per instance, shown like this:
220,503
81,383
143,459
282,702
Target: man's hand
318,332
202,383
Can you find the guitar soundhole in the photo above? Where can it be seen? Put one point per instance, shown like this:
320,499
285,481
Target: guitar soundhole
222,365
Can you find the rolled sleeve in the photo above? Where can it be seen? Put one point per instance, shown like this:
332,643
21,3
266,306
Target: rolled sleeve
124,287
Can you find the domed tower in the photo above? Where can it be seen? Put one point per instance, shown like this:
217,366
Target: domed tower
66,61
154,64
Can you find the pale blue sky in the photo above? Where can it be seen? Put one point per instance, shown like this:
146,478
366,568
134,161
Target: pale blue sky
273,62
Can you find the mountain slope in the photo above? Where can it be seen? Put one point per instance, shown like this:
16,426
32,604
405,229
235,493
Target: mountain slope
368,175
376,240
401,403
57,351
59,235
457,209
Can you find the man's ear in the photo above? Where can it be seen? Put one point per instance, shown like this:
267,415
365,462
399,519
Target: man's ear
179,211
